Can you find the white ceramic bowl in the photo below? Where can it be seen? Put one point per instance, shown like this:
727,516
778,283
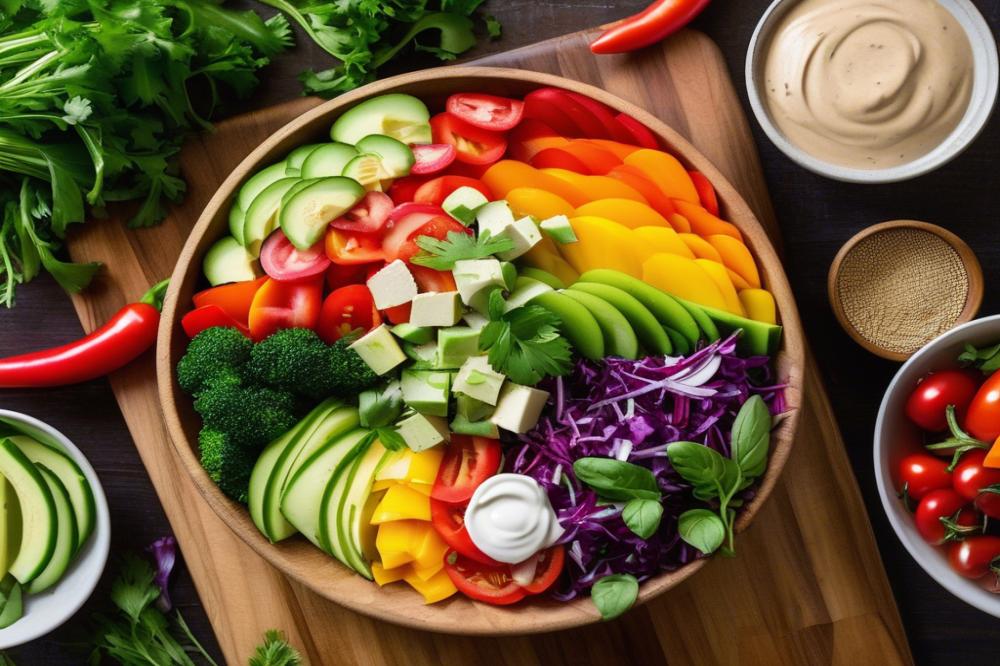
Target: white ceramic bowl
48,610
986,78
896,437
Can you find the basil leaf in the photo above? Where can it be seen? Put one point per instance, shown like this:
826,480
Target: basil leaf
617,480
642,516
614,594
700,466
752,436
702,529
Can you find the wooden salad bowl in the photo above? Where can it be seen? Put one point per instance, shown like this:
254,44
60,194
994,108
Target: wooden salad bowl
298,558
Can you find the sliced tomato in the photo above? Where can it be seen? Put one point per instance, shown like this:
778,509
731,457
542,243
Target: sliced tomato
474,145
706,193
279,305
351,247
437,190
413,218
430,280
547,570
347,309
210,316
486,111
468,461
641,135
493,585
557,158
468,170
438,227
605,115
338,275
234,298
405,189
431,157
399,314
368,216
283,261
449,523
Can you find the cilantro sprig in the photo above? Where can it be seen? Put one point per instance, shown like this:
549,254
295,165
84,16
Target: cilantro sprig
441,255
524,344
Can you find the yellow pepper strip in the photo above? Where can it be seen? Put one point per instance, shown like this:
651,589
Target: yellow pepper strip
402,503
438,587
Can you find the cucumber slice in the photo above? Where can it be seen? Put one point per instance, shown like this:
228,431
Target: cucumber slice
397,158
66,536
368,170
295,158
257,183
328,159
237,218
11,601
402,117
228,261
38,511
296,188
10,525
305,216
262,215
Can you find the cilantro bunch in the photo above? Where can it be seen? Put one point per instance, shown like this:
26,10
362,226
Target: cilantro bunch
96,97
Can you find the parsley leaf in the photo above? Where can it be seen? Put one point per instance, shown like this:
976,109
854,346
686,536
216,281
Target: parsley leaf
441,255
525,345
275,651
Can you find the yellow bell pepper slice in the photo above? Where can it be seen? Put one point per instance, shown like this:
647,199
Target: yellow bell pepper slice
682,277
666,172
537,203
402,503
406,465
430,549
395,541
759,305
385,576
437,588
653,240
720,276
426,573
701,248
736,255
627,212
602,244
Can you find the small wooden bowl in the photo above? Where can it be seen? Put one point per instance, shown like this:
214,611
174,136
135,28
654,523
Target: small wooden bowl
887,333
300,560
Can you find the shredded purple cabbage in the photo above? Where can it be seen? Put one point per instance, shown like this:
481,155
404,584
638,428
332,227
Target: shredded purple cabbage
164,551
631,410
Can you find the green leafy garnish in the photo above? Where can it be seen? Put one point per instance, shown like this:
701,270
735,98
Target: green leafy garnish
642,516
702,529
614,594
275,651
617,480
441,255
986,359
525,345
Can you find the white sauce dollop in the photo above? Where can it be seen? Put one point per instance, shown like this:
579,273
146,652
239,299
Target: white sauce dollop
510,518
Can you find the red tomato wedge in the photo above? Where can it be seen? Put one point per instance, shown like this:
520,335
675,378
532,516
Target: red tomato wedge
348,247
210,316
486,111
438,227
431,158
474,145
407,219
468,461
430,280
558,158
279,305
342,275
706,193
492,585
641,135
547,570
435,191
368,215
405,189
347,309
399,314
283,261
449,523
605,115
234,298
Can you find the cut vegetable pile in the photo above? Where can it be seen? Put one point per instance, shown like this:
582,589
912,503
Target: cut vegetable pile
506,350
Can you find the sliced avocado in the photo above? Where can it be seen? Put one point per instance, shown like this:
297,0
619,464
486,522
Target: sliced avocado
367,169
328,159
462,426
758,339
402,117
262,216
525,291
237,219
397,158
66,536
39,522
305,216
257,183
542,276
663,306
228,261
578,325
649,331
354,526
619,338
293,163
681,345
12,601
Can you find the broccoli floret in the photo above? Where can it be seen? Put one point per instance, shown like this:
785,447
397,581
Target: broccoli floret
350,373
228,464
250,416
213,352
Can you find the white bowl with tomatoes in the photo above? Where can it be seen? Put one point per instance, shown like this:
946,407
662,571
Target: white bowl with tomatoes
937,460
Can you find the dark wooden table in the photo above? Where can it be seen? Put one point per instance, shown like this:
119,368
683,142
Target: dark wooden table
816,215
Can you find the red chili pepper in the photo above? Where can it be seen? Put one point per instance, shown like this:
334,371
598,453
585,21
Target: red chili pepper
661,19
126,335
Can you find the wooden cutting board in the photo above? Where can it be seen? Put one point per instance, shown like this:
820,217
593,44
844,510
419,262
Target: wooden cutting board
807,586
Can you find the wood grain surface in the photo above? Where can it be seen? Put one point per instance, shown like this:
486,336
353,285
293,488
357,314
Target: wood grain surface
804,589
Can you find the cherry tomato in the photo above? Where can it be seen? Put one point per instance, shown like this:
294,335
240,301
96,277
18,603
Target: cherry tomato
342,275
468,461
983,419
493,585
283,261
438,227
435,191
921,473
234,298
927,404
486,111
368,215
431,157
706,193
449,523
278,305
978,483
641,135
937,504
210,316
975,557
474,145
347,309
349,247
399,314
430,280
547,570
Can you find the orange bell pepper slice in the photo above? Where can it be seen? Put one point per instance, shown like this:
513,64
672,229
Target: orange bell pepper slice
992,458
234,298
704,223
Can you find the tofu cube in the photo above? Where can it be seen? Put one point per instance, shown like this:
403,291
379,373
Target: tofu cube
477,379
422,432
393,285
559,229
519,407
495,217
436,309
475,279
525,235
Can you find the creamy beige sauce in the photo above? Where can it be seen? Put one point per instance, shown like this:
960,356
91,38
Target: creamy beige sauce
868,84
